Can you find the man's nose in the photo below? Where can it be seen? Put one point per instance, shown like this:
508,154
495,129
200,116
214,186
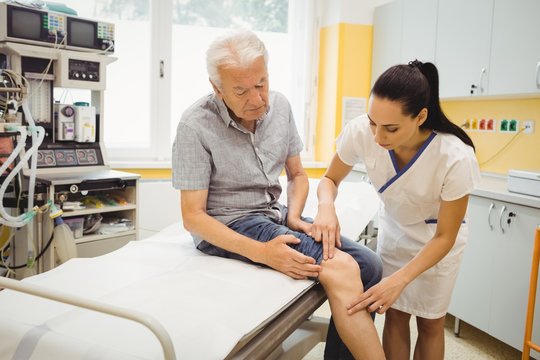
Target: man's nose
255,96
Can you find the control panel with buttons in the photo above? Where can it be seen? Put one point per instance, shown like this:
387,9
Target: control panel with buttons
51,158
83,70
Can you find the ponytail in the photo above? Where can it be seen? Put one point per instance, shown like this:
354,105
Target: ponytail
416,86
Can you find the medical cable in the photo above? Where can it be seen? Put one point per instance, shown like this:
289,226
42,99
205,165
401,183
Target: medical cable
54,212
503,148
23,219
41,253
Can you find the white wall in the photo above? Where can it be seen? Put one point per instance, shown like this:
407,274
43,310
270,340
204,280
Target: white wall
159,206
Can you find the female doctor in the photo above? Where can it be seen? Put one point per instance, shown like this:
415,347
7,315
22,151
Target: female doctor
423,167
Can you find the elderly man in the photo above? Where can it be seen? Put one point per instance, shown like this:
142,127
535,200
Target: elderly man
230,148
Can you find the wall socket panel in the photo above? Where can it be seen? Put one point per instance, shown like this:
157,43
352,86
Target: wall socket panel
528,126
504,125
509,125
480,124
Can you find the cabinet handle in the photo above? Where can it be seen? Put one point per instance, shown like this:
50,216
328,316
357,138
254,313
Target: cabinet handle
491,207
537,73
500,218
481,83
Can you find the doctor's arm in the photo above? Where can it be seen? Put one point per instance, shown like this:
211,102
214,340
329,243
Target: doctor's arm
274,253
381,296
326,224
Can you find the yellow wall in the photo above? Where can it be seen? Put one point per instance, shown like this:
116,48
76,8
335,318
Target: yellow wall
522,153
344,70
167,173
327,92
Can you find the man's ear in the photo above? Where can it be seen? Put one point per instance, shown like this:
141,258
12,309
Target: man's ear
216,90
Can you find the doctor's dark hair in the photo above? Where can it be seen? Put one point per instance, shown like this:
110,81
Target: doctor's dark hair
416,86
236,49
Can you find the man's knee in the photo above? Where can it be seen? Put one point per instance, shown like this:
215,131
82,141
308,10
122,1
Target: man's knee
370,263
342,267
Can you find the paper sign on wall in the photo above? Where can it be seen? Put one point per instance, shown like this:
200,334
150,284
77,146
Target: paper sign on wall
352,108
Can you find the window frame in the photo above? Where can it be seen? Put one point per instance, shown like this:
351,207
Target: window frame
158,155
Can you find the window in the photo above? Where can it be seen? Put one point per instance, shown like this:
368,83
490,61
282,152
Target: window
161,66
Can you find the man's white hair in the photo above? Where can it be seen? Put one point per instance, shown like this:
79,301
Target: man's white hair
237,49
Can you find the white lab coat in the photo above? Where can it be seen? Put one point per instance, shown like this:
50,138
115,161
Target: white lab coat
444,169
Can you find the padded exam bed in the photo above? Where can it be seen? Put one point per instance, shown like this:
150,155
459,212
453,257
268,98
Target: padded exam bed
208,307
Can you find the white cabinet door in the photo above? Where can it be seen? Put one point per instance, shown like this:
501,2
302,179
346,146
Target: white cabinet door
463,46
386,38
515,52
492,287
403,30
419,30
472,292
511,273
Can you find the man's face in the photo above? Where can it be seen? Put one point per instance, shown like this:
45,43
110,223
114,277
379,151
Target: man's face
245,90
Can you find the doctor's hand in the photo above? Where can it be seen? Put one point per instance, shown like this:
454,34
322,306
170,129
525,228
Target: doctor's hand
281,257
326,229
380,297
298,224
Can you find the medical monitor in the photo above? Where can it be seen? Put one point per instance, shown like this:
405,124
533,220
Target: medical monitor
82,33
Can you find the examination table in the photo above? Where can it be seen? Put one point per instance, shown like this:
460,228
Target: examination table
209,307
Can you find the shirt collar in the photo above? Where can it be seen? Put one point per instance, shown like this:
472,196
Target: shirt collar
223,111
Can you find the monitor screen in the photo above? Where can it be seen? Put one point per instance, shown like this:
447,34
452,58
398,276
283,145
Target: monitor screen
25,24
81,33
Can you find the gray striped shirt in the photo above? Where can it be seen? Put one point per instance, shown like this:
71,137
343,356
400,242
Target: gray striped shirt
239,169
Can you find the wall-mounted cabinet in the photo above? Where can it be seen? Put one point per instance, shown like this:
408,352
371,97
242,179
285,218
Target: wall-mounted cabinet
515,50
463,46
481,48
399,36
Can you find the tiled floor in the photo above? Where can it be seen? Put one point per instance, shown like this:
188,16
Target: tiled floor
472,344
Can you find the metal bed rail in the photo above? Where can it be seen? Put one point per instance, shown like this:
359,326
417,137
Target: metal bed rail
144,319
278,330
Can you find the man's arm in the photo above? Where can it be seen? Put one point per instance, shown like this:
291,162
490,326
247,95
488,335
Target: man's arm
297,192
275,253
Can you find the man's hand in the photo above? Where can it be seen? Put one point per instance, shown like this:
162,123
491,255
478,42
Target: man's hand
281,257
326,228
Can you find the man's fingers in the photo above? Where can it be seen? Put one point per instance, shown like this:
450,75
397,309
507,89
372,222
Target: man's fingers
290,239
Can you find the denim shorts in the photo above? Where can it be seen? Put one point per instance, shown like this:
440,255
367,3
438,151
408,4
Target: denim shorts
260,227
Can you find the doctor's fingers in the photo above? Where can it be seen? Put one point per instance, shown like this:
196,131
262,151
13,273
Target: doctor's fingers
364,305
329,245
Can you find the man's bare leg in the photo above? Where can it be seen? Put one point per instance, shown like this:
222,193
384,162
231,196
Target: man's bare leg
340,278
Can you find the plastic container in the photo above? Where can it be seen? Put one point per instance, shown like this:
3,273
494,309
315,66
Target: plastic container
63,240
76,225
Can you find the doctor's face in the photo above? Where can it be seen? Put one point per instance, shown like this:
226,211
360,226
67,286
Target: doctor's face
245,90
391,128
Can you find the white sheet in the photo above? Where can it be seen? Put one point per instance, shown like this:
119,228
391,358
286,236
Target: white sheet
207,304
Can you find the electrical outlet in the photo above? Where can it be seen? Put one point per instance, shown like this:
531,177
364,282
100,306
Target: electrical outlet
528,126
513,125
474,124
